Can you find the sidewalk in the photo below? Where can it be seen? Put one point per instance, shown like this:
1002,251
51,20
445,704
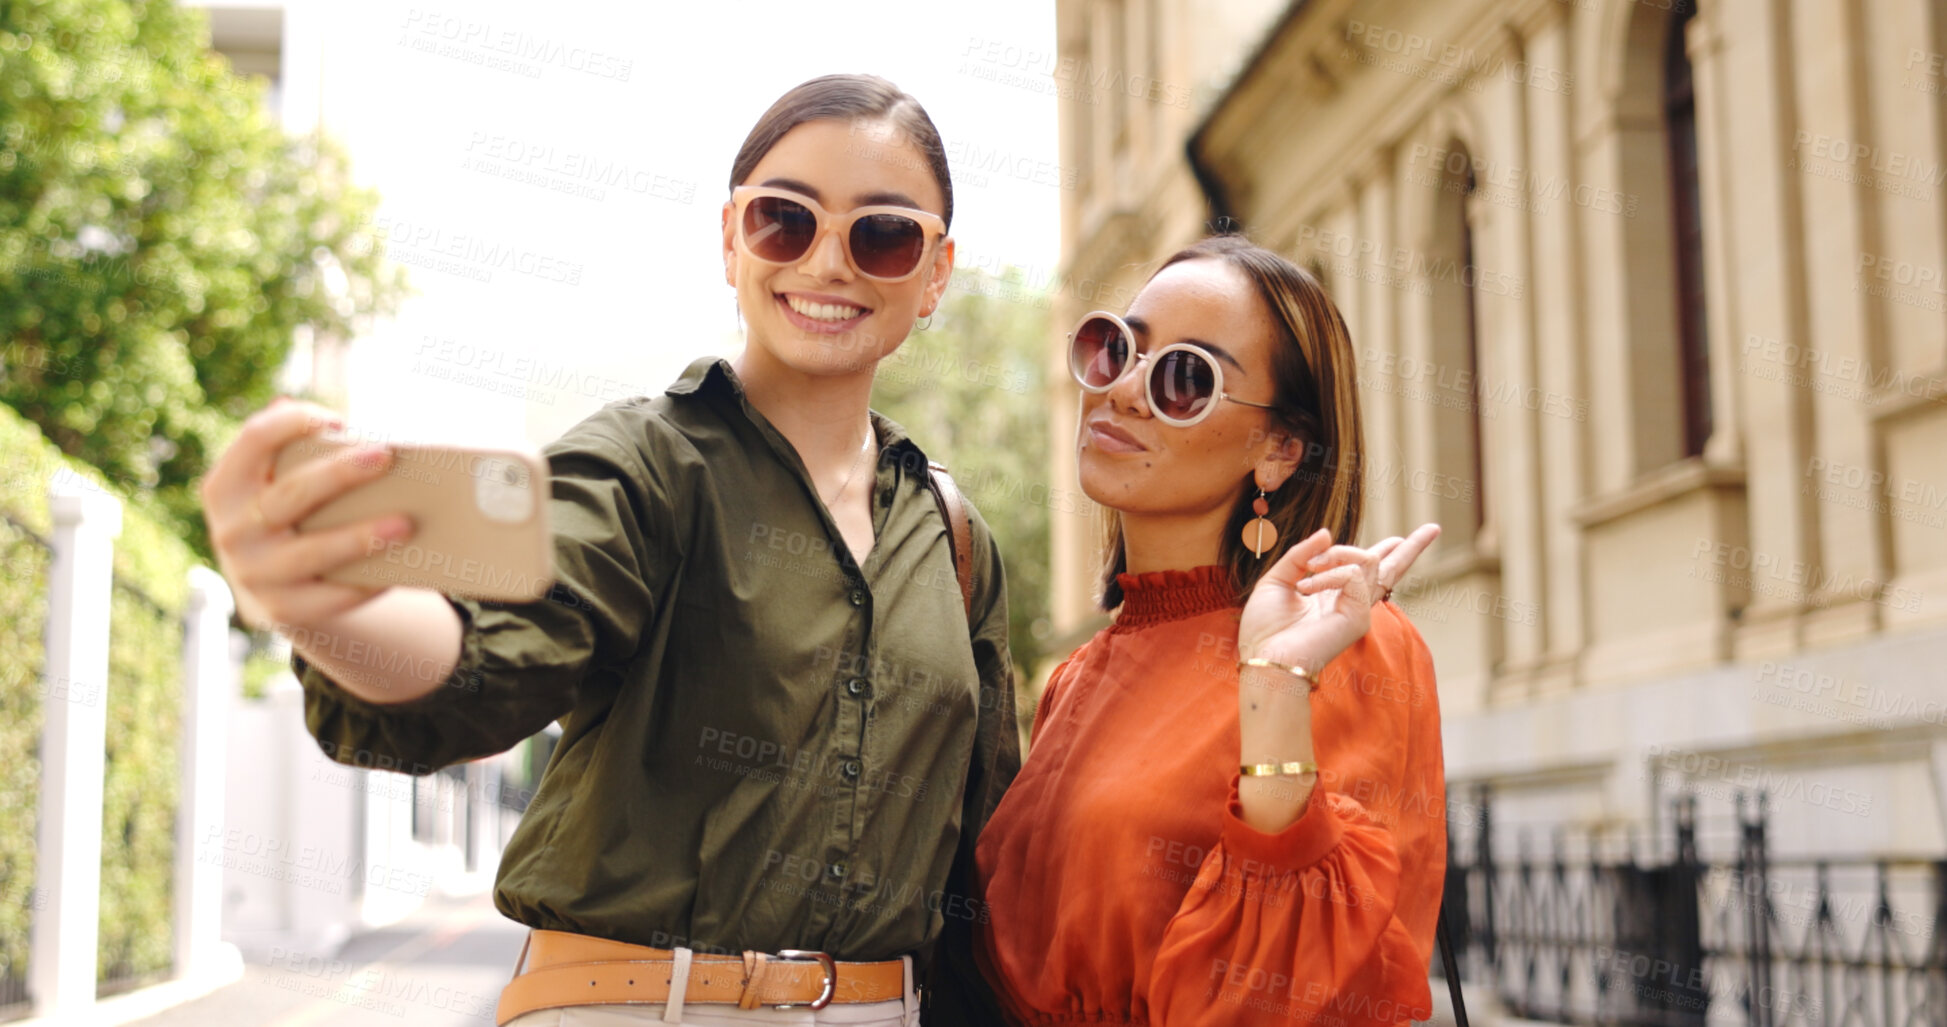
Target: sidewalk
443,966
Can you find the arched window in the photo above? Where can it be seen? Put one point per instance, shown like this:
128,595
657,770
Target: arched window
1450,383
1687,234
1470,281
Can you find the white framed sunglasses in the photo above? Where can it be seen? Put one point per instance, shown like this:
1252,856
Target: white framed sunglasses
881,242
1184,383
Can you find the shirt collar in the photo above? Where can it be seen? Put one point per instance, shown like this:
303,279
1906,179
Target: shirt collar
714,377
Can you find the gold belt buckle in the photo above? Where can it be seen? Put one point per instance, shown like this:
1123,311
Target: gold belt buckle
827,963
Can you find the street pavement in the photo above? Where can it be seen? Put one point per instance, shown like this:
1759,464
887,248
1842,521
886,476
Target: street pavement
443,966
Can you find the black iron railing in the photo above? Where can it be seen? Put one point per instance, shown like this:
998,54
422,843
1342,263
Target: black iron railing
1585,930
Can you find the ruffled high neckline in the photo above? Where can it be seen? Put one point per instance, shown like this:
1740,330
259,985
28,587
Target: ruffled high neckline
1155,597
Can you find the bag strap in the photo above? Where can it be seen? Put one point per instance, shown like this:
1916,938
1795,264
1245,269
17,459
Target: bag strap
1453,972
953,509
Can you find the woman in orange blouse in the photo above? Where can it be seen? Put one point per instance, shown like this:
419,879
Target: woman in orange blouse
1195,839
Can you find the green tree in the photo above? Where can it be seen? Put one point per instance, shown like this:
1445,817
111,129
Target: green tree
161,239
970,391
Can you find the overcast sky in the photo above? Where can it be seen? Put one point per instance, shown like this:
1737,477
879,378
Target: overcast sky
552,174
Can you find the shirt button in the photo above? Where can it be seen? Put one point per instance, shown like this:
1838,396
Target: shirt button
836,870
855,687
850,768
858,597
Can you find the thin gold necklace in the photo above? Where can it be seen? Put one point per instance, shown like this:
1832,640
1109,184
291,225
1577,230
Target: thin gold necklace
857,462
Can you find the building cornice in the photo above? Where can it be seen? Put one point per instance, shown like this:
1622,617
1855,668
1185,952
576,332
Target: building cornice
1659,486
1214,189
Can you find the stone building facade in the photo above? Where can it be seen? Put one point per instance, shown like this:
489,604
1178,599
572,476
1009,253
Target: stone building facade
1649,303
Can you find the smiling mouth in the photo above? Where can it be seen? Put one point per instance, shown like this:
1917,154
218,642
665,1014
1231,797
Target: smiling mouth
830,313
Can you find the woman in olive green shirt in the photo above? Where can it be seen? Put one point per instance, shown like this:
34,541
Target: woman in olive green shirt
774,736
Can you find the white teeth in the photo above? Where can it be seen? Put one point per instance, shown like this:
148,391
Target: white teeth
823,311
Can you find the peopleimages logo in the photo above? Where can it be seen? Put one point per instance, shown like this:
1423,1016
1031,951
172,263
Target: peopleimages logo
1466,64
1409,262
1794,580
567,170
1075,72
1891,163
472,256
1845,699
514,372
1823,370
1007,163
425,30
1702,770
1431,165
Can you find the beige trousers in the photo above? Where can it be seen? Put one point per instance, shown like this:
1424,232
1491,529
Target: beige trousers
897,1013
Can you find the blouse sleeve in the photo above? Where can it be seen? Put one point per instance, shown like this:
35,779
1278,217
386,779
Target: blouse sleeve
520,663
1328,921
1044,708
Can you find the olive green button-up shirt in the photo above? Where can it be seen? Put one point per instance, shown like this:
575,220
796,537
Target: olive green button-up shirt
764,745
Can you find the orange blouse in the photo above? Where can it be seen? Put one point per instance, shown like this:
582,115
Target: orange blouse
1123,885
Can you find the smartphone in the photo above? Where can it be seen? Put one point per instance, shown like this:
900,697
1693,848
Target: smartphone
480,518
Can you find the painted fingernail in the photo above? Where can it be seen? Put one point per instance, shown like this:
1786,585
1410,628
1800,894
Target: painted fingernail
372,457
394,528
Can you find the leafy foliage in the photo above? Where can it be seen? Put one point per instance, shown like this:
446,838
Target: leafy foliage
151,572
970,391
161,239
139,788
143,749
23,581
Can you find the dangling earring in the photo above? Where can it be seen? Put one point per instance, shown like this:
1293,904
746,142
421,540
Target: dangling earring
1260,534
924,323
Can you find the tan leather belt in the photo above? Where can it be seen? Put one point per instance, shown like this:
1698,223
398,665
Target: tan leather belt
559,969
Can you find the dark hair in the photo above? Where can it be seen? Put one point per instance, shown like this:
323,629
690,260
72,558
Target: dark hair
840,98
1314,370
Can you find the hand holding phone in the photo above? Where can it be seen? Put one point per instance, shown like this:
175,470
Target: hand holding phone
480,518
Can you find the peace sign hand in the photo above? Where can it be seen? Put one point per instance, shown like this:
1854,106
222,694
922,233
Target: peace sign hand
1310,605
1317,599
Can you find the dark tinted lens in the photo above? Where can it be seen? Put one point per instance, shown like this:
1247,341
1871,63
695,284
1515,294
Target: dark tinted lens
1181,384
887,245
1099,353
779,230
